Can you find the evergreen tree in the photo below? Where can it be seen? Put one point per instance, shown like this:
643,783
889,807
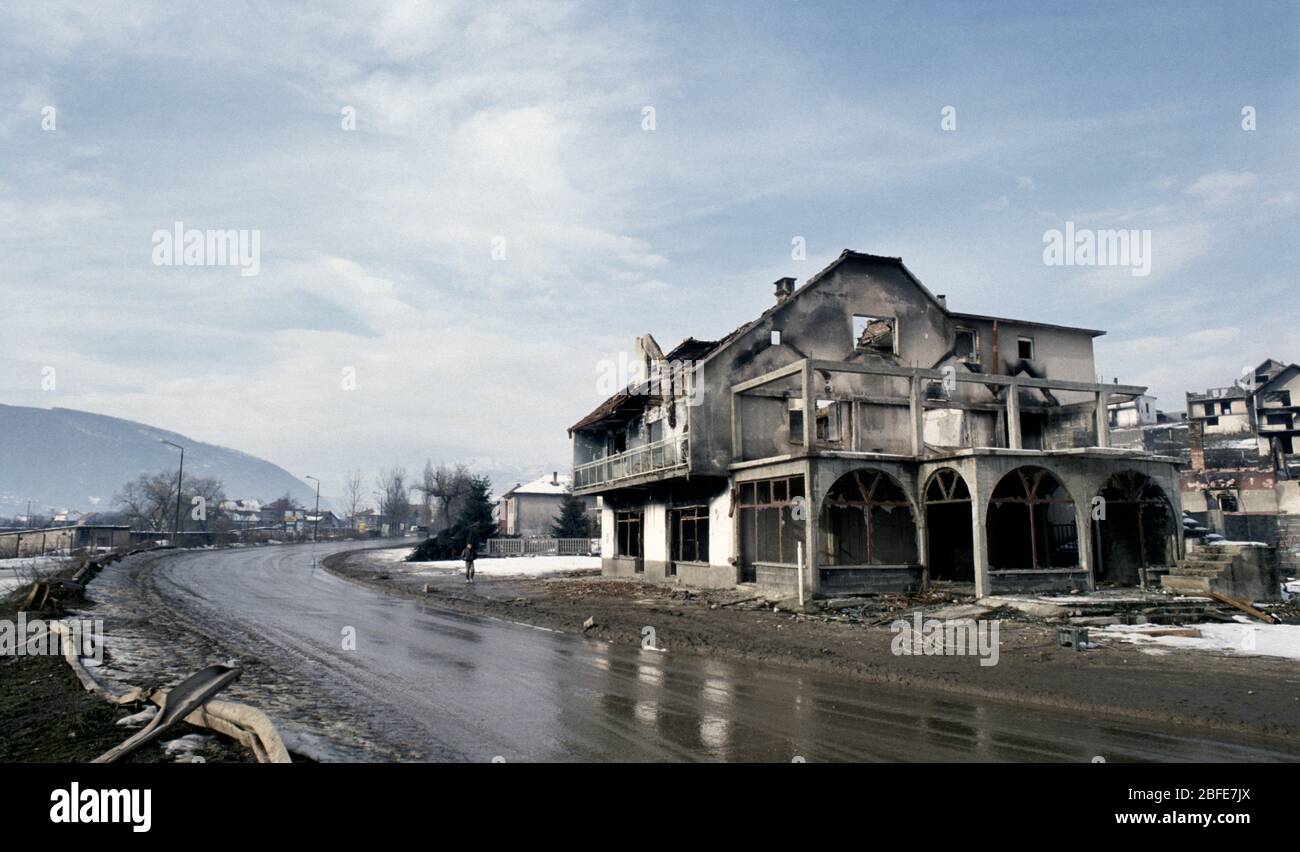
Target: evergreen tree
475,524
572,522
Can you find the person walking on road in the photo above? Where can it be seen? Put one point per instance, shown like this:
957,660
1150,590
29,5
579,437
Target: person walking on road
468,555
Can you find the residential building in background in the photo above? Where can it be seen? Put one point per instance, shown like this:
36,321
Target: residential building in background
529,509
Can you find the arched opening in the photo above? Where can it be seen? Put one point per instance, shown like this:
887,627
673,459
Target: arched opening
866,519
948,527
1031,523
1134,524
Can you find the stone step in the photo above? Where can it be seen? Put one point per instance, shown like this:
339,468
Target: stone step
1212,555
1186,585
1194,571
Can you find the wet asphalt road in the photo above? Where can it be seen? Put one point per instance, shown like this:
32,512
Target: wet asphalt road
425,684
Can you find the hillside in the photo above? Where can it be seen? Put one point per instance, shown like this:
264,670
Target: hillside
60,458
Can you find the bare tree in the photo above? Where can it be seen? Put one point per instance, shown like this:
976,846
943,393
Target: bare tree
445,490
394,497
427,487
352,498
149,502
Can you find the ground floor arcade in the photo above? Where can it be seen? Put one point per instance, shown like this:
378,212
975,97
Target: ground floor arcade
1000,520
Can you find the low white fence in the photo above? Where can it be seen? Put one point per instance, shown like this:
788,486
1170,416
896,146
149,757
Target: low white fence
540,546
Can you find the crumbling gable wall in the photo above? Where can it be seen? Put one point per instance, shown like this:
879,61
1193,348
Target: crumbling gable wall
819,323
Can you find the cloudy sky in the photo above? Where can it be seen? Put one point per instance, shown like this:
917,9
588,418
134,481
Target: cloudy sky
521,127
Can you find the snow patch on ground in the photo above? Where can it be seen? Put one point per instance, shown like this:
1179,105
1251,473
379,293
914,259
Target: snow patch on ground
1250,640
515,566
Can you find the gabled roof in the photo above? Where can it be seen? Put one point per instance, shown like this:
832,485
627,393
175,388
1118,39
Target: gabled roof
849,254
626,405
558,485
1282,375
691,349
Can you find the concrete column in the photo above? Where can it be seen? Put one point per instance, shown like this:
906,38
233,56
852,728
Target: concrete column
916,408
923,537
979,540
735,428
1083,524
809,410
812,577
1013,418
1103,419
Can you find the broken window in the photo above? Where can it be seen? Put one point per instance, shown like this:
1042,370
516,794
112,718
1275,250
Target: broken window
690,531
1025,346
1136,533
771,523
1225,407
875,334
948,523
966,345
1031,522
828,420
867,520
1211,421
1282,398
628,534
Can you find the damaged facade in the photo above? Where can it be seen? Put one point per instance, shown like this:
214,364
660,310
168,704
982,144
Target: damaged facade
862,429
1242,479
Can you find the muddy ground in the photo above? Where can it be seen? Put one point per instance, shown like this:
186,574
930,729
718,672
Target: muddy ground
46,716
1247,695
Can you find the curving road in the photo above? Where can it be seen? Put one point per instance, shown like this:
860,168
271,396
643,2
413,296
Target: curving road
425,684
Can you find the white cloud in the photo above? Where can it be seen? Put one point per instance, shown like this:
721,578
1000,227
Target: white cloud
1222,188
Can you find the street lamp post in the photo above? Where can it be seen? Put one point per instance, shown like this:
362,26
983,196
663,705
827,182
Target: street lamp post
315,526
180,473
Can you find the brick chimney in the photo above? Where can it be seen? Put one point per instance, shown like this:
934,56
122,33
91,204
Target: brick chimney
784,287
1196,443
942,299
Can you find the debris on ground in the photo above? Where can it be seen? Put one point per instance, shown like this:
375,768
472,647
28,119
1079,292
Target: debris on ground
139,720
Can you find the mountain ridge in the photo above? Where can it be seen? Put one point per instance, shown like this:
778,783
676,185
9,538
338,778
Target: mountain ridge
66,458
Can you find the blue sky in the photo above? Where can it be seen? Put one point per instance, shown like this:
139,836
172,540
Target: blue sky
773,120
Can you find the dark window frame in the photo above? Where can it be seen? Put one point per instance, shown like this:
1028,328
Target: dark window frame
629,527
694,519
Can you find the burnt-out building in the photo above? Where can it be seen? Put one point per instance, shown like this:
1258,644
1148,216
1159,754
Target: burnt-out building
864,436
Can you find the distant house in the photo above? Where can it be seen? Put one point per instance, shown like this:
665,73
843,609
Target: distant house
1135,412
529,509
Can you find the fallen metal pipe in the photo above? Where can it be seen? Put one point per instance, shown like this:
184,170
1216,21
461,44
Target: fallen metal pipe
186,697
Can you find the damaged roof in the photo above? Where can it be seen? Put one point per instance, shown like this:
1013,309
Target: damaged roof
692,349
620,406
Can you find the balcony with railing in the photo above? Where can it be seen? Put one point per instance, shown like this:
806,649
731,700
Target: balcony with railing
638,464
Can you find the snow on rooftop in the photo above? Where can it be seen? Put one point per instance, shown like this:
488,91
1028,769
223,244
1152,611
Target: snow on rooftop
553,484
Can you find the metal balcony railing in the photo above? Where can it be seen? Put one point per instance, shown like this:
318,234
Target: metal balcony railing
639,461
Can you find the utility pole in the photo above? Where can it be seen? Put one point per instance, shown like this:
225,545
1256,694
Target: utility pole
315,526
180,472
